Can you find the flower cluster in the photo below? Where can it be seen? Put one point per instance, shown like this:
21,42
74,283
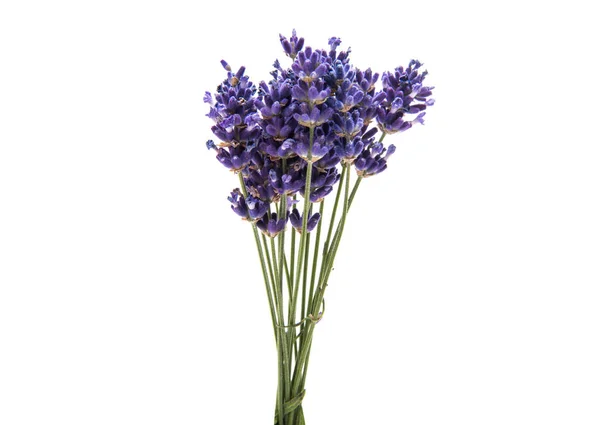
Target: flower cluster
320,113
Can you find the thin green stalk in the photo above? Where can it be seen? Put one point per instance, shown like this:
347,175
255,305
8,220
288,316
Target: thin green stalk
305,369
275,263
266,279
270,265
281,240
331,222
315,259
262,264
304,282
281,380
354,189
283,347
292,264
259,248
303,236
287,271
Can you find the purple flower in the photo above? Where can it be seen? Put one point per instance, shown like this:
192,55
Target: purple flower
276,149
301,144
348,96
392,122
292,46
404,94
314,93
348,125
313,117
334,42
373,160
233,157
256,207
319,194
311,65
329,160
287,184
296,221
238,204
349,149
270,225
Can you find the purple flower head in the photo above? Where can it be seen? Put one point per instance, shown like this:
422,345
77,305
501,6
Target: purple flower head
296,221
279,129
334,42
274,92
404,94
257,208
391,122
349,149
270,225
373,160
313,117
276,149
234,109
324,178
329,160
292,46
234,157
366,80
238,204
287,184
339,72
312,93
311,65
258,180
348,125
301,143
348,96
319,194
322,183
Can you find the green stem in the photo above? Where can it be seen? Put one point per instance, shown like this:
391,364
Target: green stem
259,248
283,346
315,258
292,264
304,281
270,266
331,223
303,237
275,264
354,189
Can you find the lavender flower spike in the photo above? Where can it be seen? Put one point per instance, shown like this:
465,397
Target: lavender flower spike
292,46
271,226
296,221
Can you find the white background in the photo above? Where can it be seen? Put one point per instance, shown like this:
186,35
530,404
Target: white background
467,286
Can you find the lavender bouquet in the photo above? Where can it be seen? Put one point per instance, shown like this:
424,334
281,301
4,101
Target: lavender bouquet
290,141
